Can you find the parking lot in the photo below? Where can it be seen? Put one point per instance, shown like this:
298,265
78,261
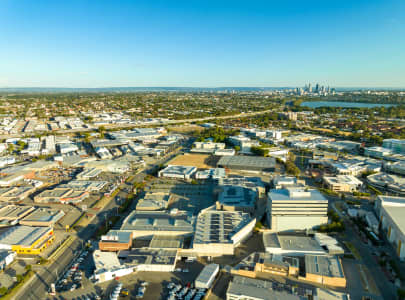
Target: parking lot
156,285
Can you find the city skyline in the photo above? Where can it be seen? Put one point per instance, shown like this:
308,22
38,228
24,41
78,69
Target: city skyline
203,44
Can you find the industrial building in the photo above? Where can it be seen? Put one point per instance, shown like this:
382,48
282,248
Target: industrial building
42,216
207,276
12,213
391,212
218,233
296,208
247,163
146,224
342,183
16,193
26,239
63,195
179,172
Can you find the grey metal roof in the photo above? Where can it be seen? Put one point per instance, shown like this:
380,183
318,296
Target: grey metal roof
247,161
323,265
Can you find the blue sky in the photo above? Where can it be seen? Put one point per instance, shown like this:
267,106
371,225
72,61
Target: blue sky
98,43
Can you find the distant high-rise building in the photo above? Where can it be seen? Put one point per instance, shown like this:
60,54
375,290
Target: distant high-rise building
317,88
309,88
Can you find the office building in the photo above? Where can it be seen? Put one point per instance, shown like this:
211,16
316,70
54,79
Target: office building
296,208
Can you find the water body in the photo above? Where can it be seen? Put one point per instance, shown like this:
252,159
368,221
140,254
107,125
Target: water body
316,104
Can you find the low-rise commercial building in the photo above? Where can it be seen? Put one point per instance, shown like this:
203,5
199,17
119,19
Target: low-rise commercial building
325,270
215,173
115,240
387,182
146,224
179,172
218,233
342,183
207,276
236,198
263,265
149,260
391,211
242,288
154,201
296,208
6,258
296,245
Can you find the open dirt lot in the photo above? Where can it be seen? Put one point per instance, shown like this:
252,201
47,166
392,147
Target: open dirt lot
201,161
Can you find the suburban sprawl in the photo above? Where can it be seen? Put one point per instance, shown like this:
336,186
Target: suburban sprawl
236,194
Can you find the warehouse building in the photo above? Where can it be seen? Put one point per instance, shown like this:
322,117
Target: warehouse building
324,269
42,216
296,208
26,239
179,172
16,193
63,195
247,163
12,213
391,212
146,224
207,276
218,233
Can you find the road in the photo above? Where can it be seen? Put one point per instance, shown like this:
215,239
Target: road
38,286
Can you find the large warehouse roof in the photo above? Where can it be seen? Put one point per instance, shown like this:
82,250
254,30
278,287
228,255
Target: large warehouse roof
257,163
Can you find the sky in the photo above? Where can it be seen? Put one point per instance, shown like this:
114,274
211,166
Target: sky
79,43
